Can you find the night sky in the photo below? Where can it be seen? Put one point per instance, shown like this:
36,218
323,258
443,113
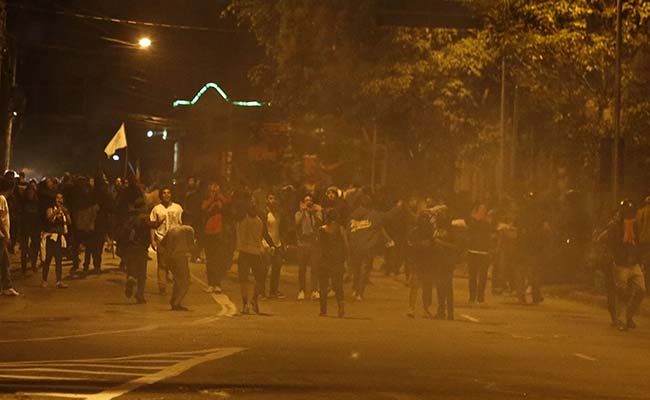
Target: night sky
80,83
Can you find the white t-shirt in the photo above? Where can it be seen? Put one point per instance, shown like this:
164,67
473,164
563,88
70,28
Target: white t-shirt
4,214
166,217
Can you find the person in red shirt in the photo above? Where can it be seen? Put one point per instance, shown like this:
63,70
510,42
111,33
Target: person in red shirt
216,247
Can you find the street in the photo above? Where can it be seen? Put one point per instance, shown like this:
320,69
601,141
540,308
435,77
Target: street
89,341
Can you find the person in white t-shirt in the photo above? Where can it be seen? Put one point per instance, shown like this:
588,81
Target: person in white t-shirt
6,286
164,215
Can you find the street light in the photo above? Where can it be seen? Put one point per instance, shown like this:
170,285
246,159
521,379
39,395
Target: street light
116,157
144,42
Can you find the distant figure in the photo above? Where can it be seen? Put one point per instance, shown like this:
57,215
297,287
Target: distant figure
57,228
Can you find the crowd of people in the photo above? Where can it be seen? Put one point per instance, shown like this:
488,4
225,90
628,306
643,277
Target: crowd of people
335,236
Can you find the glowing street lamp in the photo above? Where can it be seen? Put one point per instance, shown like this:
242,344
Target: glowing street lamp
144,42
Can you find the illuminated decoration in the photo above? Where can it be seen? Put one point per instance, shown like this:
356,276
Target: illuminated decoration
224,96
149,134
116,157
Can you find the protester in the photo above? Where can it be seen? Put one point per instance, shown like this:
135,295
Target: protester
30,231
478,258
308,219
217,254
622,236
275,226
84,216
135,236
420,243
446,255
164,216
6,286
193,214
57,228
334,249
250,232
175,248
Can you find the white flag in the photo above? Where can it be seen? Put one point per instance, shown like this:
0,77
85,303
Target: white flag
118,142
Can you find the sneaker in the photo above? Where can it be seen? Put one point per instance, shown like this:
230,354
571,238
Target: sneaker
279,295
43,284
411,314
341,312
301,295
180,308
315,295
256,307
10,292
140,300
61,285
358,297
217,290
630,323
330,294
245,310
209,289
130,283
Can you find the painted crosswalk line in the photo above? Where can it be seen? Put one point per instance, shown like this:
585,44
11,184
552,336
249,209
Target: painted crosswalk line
100,378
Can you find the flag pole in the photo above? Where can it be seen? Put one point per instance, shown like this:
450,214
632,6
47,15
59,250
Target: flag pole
126,162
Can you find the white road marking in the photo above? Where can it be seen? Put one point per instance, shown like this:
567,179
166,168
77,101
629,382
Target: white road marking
166,373
82,335
175,363
469,318
105,365
584,357
228,308
138,357
52,394
76,371
41,377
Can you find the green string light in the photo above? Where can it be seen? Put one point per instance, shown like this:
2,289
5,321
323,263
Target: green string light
212,85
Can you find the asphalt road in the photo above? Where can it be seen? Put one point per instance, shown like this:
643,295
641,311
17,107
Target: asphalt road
89,341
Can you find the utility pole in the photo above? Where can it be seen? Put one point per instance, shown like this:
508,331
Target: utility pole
502,132
617,100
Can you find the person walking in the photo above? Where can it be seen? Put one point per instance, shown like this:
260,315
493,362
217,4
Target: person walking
273,255
135,236
176,249
446,253
308,219
85,216
421,274
6,286
30,231
164,216
57,228
217,254
479,232
622,237
334,249
250,231
193,214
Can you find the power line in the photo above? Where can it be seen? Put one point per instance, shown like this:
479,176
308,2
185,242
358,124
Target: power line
122,21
